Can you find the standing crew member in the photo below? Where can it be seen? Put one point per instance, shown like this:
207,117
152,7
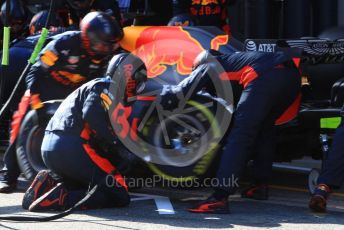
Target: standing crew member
271,83
332,173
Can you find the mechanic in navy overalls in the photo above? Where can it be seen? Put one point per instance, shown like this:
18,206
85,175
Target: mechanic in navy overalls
18,19
79,8
19,53
206,13
332,172
21,49
69,60
81,148
271,84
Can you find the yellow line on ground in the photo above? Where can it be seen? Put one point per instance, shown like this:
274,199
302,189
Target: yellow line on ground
289,188
300,190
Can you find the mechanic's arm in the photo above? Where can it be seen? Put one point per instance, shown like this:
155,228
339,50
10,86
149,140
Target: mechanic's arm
46,62
199,79
95,113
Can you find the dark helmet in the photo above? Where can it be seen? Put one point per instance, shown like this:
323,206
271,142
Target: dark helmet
100,34
39,20
129,73
80,7
205,56
182,20
80,4
17,16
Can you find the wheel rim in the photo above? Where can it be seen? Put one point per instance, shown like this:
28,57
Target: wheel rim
189,142
206,159
33,146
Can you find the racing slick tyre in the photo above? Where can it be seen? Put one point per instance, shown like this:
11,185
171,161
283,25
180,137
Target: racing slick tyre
312,179
28,146
203,144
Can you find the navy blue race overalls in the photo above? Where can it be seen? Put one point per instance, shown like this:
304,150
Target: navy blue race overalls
79,146
332,173
19,54
62,66
271,83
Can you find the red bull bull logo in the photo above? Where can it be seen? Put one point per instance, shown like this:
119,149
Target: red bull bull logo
171,46
161,47
219,41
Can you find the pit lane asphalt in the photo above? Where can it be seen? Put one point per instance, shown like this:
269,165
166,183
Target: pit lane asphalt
286,209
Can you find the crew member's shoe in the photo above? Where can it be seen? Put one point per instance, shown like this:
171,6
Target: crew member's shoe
53,200
7,186
212,206
256,192
8,181
42,183
319,198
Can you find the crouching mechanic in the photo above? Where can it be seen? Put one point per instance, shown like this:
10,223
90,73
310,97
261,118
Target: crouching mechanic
80,146
332,173
271,83
69,60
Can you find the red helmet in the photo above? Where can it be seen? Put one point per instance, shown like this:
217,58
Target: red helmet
100,34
